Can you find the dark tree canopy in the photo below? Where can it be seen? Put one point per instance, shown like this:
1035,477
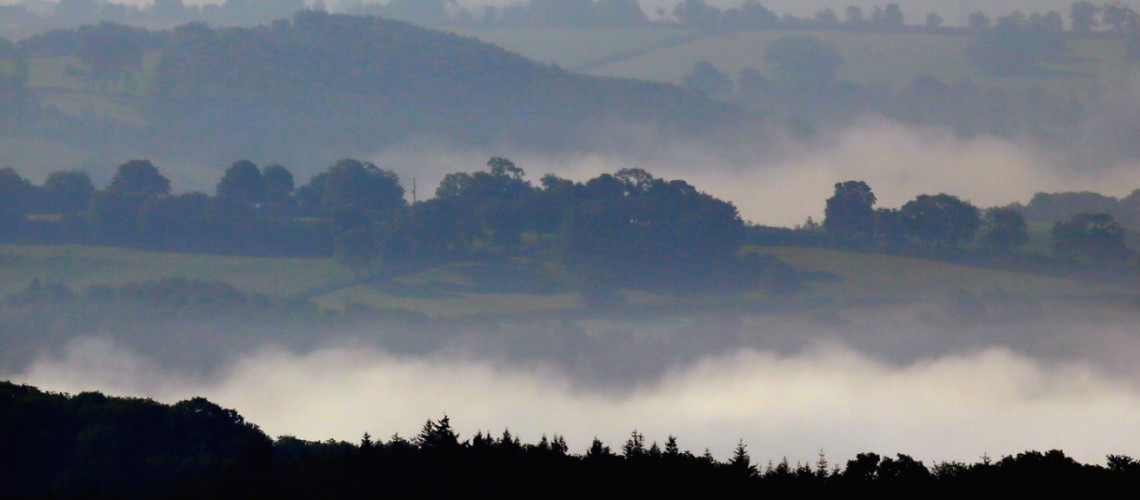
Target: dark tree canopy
1004,229
279,186
353,183
669,233
16,195
242,181
1094,237
850,212
940,219
67,191
140,178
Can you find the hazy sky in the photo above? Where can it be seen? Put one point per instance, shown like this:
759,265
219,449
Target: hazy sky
954,11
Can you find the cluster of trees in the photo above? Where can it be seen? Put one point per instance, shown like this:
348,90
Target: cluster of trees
94,445
1062,205
626,228
531,13
752,15
946,222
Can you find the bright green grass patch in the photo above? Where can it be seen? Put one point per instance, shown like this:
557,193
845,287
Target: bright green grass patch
82,266
884,277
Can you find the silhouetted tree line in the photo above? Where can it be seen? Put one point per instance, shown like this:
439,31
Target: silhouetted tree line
944,225
91,445
623,229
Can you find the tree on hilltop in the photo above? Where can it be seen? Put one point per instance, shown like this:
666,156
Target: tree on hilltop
850,212
940,219
1096,237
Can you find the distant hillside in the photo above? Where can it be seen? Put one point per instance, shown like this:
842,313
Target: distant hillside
893,58
302,91
325,84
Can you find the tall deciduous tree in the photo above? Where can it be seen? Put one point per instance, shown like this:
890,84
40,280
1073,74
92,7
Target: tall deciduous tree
1096,237
1004,229
242,181
940,219
353,183
67,191
15,199
850,212
139,177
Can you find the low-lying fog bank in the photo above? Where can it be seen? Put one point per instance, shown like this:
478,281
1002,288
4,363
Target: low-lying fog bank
951,406
781,182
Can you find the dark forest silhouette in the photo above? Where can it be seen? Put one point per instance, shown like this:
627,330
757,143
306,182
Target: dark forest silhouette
90,445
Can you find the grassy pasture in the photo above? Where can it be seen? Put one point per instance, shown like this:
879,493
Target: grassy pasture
83,266
876,277
465,289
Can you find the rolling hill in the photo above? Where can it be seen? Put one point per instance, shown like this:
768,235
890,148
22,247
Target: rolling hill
322,86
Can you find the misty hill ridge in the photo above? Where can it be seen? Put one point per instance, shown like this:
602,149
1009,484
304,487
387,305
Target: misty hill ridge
325,84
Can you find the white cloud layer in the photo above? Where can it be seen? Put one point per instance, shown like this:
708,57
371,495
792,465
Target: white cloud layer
957,407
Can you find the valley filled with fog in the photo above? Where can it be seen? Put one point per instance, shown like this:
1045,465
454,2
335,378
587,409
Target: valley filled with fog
841,344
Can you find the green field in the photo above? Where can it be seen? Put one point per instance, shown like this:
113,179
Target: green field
876,277
82,266
519,288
